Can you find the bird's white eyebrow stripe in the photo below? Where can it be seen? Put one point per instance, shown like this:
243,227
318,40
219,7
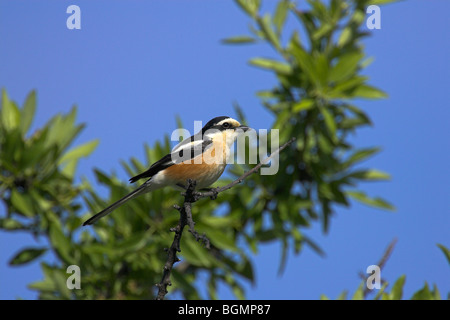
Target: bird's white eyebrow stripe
230,120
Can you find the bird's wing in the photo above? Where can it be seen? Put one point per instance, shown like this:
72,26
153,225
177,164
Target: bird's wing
186,150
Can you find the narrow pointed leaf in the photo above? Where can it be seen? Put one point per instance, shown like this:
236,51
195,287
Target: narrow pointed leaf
445,251
27,255
280,15
10,114
277,66
80,151
374,202
239,40
28,112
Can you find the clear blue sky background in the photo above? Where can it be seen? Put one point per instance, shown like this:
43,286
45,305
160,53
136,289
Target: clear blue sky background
135,65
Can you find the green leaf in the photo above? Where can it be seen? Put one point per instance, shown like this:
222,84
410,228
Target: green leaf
346,88
132,244
239,40
343,295
329,122
279,18
60,242
218,222
305,104
266,235
42,203
345,67
374,202
27,255
368,92
22,202
10,113
360,155
221,240
266,27
303,58
358,17
250,6
238,291
381,292
46,285
445,251
28,112
352,123
324,30
11,224
397,289
59,279
196,254
62,130
373,174
366,62
314,246
345,37
436,294
240,113
322,70
69,168
181,281
246,269
360,115
423,294
378,2
277,66
319,9
370,174
359,293
283,258
81,151
298,240
212,289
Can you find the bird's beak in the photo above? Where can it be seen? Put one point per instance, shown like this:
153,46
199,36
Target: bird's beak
243,128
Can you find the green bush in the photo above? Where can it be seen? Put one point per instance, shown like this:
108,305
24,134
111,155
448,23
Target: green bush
318,78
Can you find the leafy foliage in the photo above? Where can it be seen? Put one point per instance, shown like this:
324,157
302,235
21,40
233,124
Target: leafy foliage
121,257
318,74
396,293
37,171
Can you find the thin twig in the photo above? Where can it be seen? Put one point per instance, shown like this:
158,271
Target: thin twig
381,264
191,196
171,257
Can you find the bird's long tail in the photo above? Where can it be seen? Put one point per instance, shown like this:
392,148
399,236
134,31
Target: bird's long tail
142,189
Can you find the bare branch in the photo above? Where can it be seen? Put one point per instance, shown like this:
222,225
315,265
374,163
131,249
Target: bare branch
381,263
185,219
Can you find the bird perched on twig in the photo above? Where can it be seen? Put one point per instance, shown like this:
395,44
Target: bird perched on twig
202,157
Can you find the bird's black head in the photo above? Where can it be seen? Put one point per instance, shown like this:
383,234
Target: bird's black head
213,123
223,123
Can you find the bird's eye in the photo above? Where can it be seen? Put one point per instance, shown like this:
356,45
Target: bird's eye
226,125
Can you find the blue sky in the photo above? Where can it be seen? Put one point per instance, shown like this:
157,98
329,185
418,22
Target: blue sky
135,65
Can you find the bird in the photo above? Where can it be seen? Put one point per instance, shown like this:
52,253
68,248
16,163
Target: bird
202,157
